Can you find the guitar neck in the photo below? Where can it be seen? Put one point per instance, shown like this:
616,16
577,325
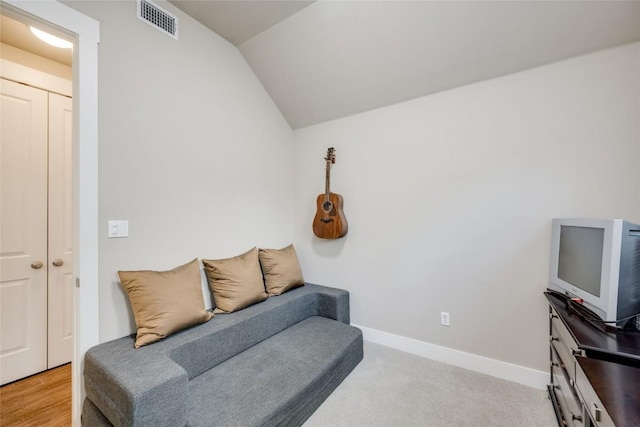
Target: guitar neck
327,179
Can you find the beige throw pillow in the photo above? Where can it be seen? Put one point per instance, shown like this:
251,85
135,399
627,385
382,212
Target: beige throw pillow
281,269
235,282
165,302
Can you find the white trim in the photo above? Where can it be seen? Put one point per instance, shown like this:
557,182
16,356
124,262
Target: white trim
484,365
86,35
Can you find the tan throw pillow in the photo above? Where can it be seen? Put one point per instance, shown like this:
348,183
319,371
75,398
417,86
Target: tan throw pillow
281,269
165,302
235,282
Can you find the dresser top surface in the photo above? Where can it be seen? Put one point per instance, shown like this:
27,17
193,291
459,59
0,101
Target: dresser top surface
617,386
618,346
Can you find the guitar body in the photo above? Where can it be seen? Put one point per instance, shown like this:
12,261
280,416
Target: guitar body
330,222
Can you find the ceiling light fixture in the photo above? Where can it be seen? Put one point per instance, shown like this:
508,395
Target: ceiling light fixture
51,40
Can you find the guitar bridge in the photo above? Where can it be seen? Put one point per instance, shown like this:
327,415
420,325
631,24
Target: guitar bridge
326,220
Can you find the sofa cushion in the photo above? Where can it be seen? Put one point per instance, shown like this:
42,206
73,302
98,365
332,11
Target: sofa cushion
165,302
281,269
236,282
280,381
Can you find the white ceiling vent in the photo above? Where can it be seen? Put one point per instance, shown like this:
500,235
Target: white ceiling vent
158,18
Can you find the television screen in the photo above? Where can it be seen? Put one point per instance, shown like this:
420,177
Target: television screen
580,257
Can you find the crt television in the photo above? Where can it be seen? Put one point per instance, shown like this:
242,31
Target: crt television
597,263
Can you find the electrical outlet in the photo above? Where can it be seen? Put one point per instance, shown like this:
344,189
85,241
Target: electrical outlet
444,318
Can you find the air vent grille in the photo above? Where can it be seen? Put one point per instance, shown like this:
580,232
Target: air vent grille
157,17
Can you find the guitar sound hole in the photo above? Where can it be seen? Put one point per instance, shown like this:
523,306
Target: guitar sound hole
327,207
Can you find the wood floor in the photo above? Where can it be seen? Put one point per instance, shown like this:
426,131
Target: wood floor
40,400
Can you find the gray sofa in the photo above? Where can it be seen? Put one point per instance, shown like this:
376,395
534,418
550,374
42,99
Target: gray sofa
270,364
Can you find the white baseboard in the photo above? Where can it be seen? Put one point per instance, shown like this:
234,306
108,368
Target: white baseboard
484,365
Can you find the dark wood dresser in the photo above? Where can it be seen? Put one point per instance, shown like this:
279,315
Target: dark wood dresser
595,373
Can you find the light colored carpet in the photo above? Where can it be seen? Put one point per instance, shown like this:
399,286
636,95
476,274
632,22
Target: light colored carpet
390,388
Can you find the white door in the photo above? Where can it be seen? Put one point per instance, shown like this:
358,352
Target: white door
60,281
23,231
36,270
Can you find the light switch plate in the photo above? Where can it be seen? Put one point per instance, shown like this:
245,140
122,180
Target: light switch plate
118,228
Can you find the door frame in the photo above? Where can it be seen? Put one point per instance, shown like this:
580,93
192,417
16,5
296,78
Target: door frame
85,32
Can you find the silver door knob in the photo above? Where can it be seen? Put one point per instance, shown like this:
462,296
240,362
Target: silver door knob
36,265
57,262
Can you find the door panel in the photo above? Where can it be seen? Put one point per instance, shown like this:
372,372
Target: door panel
61,282
23,231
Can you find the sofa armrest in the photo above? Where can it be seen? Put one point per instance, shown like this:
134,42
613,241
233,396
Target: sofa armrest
135,387
333,303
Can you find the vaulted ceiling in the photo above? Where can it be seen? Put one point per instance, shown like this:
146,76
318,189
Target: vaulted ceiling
328,59
321,60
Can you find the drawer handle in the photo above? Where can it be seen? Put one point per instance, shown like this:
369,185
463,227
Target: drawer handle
552,338
597,412
576,417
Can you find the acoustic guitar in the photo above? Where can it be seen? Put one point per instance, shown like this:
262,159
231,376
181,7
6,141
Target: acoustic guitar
329,222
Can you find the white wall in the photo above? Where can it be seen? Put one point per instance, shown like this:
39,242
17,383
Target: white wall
193,152
449,199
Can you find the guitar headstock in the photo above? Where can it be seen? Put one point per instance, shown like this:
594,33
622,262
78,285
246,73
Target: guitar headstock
331,155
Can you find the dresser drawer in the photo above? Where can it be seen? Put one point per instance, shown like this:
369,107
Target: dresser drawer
564,353
565,395
562,334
